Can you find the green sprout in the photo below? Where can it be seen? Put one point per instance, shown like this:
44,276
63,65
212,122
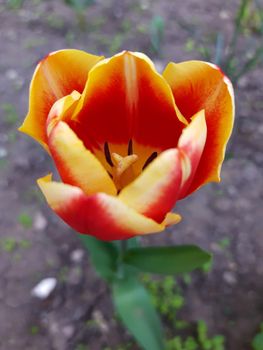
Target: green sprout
10,114
25,220
15,4
257,342
34,330
79,7
8,244
157,33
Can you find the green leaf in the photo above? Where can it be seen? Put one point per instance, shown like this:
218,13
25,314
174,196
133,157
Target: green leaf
104,256
156,32
258,342
133,305
167,260
79,4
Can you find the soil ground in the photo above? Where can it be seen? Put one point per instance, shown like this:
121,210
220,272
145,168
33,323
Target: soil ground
229,298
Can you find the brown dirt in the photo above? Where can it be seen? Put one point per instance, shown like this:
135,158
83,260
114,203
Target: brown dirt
229,298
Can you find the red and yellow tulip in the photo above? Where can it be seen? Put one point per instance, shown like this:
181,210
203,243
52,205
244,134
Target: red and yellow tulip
127,141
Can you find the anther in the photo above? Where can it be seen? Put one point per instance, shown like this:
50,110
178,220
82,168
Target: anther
150,159
130,148
110,175
107,154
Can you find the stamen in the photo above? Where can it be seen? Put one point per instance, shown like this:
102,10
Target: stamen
107,154
110,175
150,159
130,148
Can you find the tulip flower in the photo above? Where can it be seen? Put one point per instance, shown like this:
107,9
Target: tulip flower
127,142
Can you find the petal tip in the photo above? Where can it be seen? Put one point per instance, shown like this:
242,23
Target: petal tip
42,180
172,219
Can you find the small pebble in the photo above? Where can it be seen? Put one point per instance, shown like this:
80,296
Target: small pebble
40,222
224,14
145,4
98,317
3,137
77,255
215,248
68,331
232,266
229,277
3,152
11,74
44,288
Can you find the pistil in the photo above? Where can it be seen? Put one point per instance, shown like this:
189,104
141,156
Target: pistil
123,172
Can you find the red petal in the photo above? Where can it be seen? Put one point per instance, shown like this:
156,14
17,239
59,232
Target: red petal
200,85
126,98
99,215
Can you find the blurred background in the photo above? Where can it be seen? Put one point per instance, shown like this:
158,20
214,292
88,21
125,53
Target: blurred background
220,307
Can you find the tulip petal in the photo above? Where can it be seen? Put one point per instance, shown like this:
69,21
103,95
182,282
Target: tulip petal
191,144
99,215
57,75
77,165
133,102
198,85
171,219
156,190
62,110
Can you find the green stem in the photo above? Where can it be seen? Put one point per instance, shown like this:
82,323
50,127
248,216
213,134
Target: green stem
250,64
123,248
238,27
122,251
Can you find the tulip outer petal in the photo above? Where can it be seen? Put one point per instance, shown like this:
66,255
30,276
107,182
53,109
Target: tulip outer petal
56,75
198,85
100,215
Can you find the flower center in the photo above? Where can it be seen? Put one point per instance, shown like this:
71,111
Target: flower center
122,170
